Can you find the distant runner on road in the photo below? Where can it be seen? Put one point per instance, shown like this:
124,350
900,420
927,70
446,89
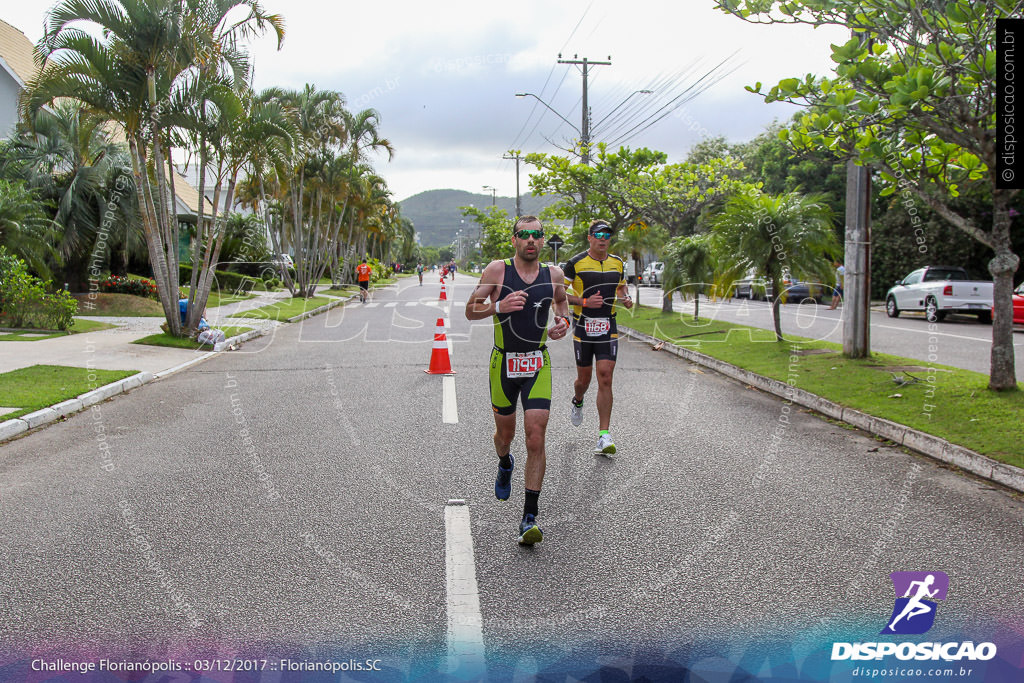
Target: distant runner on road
363,275
521,293
594,279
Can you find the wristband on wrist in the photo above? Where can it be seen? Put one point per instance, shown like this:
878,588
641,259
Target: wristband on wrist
584,304
497,307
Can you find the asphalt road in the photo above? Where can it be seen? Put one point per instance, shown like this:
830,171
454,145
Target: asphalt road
289,498
962,341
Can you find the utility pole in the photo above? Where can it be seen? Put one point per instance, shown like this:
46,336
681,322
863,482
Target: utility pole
585,129
857,260
514,154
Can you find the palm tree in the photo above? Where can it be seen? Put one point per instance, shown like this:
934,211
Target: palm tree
148,53
66,154
26,228
638,238
688,260
771,234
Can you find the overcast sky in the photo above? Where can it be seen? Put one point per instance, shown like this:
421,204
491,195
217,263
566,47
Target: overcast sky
444,75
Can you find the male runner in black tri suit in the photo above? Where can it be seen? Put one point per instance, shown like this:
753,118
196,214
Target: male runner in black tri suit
521,292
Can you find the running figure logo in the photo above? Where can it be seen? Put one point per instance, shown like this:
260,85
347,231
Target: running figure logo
914,612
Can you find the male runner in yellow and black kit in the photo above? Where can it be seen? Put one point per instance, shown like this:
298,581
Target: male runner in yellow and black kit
594,278
521,294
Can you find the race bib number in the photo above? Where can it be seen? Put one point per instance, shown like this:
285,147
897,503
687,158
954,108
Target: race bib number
595,327
523,364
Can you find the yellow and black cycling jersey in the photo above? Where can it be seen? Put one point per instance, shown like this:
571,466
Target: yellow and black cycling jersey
585,276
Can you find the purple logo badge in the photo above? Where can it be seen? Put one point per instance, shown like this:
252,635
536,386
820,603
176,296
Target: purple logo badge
916,596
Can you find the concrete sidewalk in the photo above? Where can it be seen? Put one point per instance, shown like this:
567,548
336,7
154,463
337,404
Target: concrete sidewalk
113,349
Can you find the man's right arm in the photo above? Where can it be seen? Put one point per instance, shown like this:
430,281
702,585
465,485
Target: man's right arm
478,308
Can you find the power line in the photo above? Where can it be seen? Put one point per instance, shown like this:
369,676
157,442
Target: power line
689,93
547,81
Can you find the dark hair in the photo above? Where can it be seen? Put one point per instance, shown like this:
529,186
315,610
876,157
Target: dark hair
524,219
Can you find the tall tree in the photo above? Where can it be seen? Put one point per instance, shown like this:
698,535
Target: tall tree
147,53
913,95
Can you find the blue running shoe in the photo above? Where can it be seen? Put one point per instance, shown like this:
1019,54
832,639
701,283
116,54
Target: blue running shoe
503,484
529,532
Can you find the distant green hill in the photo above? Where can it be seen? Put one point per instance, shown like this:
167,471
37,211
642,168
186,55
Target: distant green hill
436,215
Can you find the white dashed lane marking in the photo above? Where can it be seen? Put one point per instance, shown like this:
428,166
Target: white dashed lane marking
465,625
449,403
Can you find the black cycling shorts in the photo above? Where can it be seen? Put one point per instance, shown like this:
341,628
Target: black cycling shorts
588,349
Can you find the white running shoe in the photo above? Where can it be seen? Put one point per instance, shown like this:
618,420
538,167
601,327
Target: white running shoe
576,414
605,445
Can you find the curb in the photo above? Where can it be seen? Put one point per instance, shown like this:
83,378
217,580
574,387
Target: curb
19,425
921,442
321,309
44,416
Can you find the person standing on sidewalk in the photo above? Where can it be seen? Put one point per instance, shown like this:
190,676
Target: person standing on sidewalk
363,271
594,279
837,291
521,293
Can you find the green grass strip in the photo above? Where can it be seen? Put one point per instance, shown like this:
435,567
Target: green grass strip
39,386
78,326
164,339
287,308
951,403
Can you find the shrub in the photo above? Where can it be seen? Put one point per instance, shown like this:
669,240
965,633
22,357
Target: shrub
24,301
223,281
116,284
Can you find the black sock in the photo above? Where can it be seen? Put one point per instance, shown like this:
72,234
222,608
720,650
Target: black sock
505,462
530,506
577,403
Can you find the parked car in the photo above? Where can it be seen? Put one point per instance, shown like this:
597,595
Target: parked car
284,260
1018,305
939,291
752,287
793,290
799,291
653,274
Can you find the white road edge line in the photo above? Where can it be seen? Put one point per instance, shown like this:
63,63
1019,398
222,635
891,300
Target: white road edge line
465,624
449,403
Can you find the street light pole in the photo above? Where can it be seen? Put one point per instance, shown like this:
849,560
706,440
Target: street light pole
493,191
514,154
530,94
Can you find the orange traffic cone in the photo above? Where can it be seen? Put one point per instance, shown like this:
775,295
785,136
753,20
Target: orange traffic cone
444,296
440,364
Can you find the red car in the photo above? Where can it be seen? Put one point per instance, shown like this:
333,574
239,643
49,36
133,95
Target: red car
1018,305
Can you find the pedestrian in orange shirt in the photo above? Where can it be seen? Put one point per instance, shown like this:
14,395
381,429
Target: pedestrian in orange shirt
363,275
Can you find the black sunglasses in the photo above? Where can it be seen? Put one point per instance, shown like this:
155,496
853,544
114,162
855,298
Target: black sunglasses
527,234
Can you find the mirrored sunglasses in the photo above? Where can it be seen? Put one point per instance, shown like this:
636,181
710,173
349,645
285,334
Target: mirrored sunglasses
527,234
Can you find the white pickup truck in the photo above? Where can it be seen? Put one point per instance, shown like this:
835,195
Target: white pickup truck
938,291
